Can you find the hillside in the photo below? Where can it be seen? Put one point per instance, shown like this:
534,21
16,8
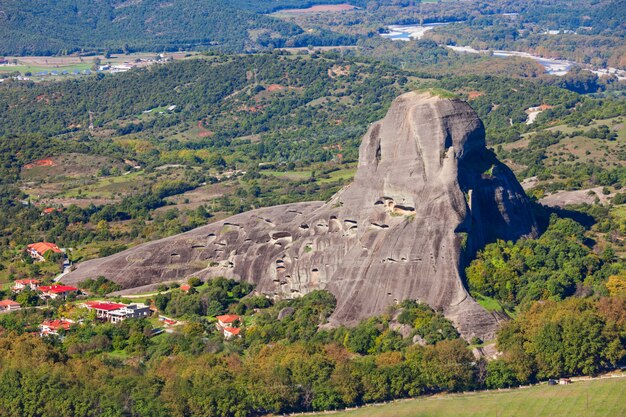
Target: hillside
43,27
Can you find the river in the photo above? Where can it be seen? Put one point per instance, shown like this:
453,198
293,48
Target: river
558,67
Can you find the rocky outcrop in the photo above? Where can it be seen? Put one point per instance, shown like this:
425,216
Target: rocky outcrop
427,194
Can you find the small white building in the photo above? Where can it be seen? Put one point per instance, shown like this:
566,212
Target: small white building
20,285
130,311
117,312
7,306
52,327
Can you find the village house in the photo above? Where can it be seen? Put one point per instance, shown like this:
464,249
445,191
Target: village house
52,327
230,332
57,291
117,312
102,308
226,325
39,249
7,306
21,284
185,287
130,311
49,210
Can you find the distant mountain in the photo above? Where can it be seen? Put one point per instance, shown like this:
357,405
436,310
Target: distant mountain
43,27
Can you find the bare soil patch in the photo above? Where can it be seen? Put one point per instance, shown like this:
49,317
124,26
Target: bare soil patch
47,162
322,8
472,95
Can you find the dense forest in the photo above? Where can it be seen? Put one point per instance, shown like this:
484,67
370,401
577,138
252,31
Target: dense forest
77,26
68,26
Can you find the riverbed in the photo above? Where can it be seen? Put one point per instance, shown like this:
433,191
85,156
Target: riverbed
558,67
409,32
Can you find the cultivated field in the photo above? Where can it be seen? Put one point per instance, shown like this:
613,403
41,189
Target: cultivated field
322,8
35,64
595,398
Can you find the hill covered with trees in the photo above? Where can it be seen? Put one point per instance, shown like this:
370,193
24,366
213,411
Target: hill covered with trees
45,28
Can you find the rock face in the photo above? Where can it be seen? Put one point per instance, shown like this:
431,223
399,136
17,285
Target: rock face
427,194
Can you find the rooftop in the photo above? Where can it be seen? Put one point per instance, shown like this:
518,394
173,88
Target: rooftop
58,324
232,330
104,305
27,281
43,247
57,288
228,318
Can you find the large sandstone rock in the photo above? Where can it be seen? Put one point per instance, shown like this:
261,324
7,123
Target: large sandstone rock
427,194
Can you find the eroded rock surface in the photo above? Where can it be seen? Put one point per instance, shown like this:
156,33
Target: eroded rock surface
427,194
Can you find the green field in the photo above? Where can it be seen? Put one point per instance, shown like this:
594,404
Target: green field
341,174
597,398
33,69
107,186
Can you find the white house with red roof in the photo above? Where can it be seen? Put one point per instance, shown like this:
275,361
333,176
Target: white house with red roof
52,327
117,312
22,284
130,311
227,320
39,249
226,325
7,306
57,291
103,308
230,332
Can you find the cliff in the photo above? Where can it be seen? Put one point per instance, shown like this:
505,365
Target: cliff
427,194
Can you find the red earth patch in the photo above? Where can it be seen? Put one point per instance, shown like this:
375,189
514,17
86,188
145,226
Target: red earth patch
47,162
472,95
274,87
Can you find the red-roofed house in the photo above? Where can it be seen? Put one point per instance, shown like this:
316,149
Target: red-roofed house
52,327
56,291
9,305
38,250
230,332
22,284
185,287
103,308
117,312
49,210
225,324
227,320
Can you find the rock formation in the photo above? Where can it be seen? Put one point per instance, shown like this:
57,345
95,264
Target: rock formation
427,194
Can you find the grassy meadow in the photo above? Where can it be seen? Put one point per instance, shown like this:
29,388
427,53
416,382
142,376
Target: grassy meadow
594,398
